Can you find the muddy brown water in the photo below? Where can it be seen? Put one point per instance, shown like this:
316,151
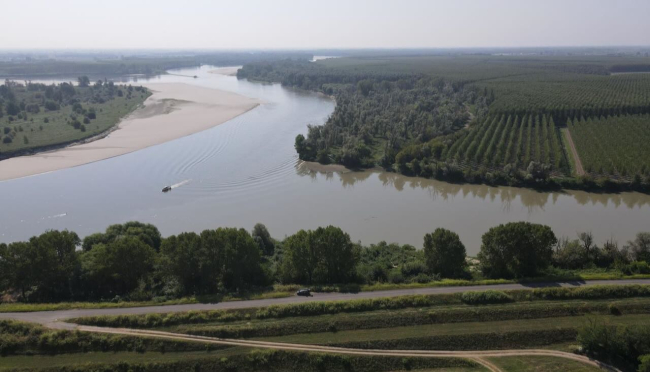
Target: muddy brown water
246,171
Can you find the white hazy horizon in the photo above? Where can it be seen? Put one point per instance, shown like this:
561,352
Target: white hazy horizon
308,24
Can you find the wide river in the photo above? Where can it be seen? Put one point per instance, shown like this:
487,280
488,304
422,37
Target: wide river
246,171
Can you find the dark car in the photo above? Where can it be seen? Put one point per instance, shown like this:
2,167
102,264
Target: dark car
304,292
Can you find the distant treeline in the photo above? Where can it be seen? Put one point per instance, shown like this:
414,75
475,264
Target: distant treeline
132,261
136,65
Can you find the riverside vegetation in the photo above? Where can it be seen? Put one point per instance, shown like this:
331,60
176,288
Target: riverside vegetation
480,119
133,262
35,116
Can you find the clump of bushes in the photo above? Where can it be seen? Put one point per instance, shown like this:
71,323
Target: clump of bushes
486,297
619,345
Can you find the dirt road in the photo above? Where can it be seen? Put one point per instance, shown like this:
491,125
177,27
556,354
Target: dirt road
477,356
574,153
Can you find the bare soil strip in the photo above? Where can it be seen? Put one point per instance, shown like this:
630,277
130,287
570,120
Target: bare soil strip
576,159
473,355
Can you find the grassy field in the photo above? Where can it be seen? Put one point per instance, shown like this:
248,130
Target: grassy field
90,359
38,127
235,359
451,329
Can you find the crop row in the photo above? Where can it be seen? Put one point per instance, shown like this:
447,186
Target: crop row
512,140
415,317
575,97
474,341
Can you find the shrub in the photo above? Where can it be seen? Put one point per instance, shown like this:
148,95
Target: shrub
622,346
644,365
395,277
51,105
485,297
413,268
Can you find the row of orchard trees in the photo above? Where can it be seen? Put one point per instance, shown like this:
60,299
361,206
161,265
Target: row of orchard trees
613,145
572,96
502,140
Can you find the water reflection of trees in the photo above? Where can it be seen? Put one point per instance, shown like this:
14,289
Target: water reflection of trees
531,199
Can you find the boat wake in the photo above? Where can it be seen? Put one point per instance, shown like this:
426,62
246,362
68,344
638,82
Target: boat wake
180,184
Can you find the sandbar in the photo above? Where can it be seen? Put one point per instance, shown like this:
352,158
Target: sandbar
228,71
174,110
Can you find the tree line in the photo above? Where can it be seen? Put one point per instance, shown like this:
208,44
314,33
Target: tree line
377,113
132,261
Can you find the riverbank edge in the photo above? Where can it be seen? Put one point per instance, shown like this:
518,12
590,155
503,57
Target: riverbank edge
283,291
255,104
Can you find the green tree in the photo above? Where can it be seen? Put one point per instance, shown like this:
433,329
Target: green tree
225,258
146,232
84,81
445,254
263,238
181,258
300,258
325,255
16,269
116,268
516,249
640,247
12,108
53,261
241,260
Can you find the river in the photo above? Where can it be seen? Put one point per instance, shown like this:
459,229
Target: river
246,171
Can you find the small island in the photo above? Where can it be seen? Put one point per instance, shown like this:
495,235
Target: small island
36,117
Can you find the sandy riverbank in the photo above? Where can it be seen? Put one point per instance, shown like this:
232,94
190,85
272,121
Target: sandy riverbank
174,110
228,71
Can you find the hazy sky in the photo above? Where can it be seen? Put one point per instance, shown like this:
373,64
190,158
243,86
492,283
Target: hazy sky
100,24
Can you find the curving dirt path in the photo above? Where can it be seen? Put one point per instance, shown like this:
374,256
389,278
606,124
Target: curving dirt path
477,356
574,153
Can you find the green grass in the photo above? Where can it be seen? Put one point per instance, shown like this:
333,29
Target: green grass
39,361
448,329
541,364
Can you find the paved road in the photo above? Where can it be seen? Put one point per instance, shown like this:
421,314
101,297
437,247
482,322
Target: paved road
53,318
